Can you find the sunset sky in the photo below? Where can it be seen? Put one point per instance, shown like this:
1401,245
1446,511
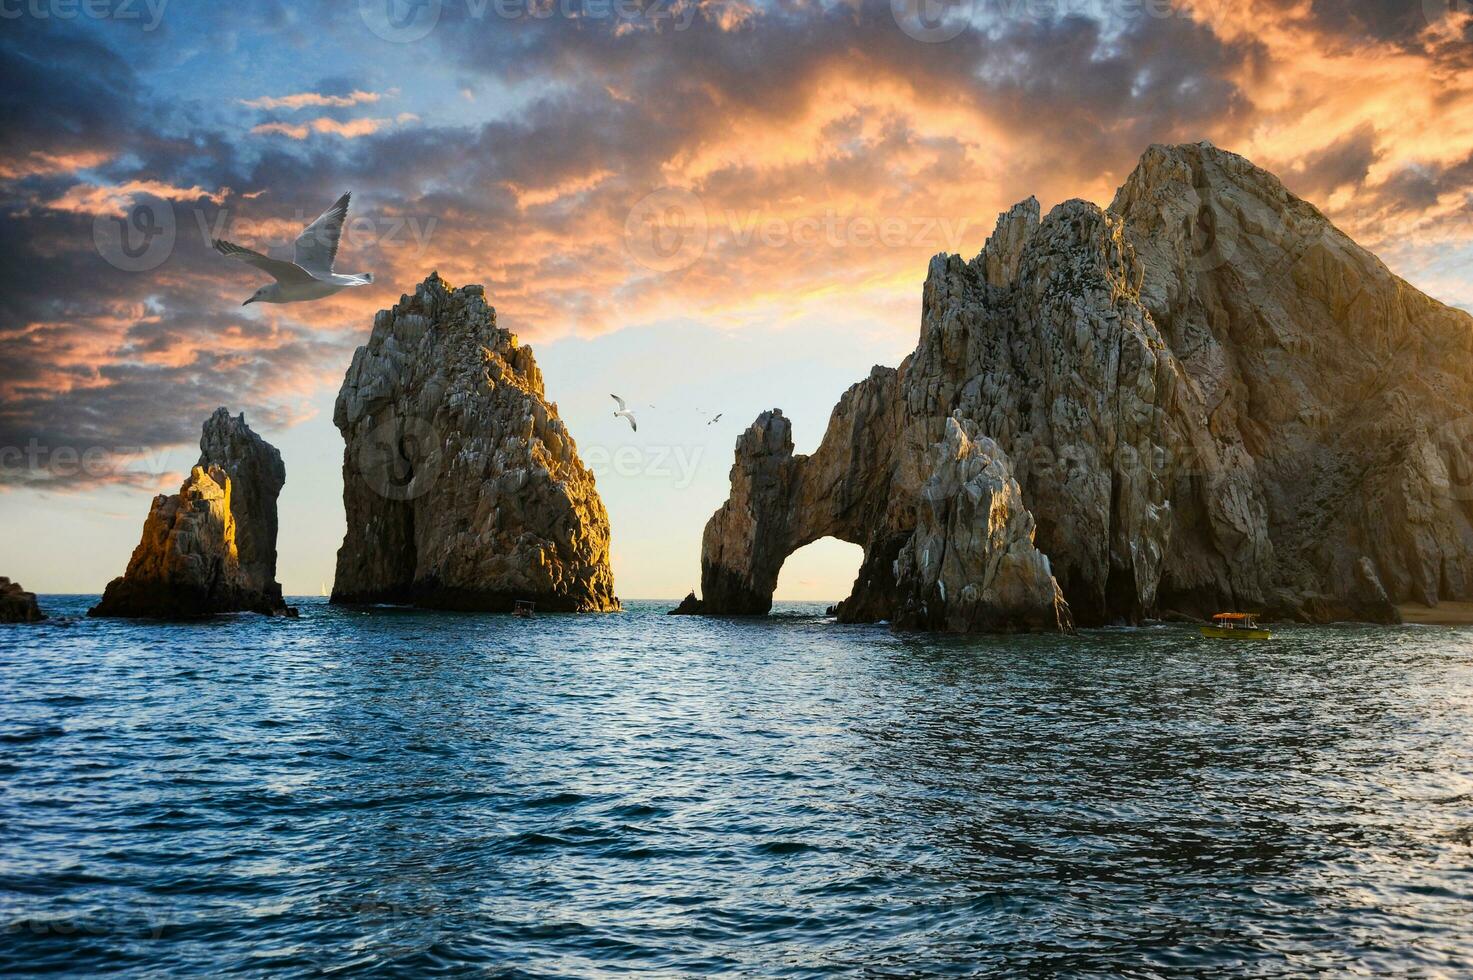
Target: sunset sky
815,154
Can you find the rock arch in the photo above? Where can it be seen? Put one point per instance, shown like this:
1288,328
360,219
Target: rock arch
1269,421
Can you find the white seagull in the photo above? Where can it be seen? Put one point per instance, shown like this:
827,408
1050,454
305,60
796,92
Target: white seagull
309,275
625,413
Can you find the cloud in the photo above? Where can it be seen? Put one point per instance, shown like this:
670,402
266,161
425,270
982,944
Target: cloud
40,163
313,99
101,199
819,154
1346,162
347,129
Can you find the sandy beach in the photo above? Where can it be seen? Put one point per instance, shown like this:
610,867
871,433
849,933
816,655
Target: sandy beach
1443,614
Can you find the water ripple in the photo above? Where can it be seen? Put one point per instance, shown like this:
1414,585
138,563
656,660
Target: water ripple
405,793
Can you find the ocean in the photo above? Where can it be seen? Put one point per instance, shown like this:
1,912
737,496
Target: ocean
391,792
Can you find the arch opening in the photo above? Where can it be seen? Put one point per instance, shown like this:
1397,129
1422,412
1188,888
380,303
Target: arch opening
821,571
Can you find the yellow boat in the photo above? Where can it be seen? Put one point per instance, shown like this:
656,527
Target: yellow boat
1236,626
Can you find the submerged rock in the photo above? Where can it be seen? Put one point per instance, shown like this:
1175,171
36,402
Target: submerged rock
17,605
1210,399
463,488
211,547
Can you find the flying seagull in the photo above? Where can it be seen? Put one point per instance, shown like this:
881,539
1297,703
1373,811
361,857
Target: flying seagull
625,413
715,420
309,275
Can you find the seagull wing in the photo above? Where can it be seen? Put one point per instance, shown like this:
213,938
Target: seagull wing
282,272
632,424
317,245
622,406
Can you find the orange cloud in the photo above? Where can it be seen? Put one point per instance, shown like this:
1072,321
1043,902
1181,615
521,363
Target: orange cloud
303,100
350,129
1309,91
92,199
37,163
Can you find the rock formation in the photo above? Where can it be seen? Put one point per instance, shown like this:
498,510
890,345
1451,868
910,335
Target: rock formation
463,488
970,566
1210,399
689,606
211,547
17,605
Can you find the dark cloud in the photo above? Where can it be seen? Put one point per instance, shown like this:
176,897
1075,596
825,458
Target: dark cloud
1378,19
62,92
95,358
1415,189
1346,162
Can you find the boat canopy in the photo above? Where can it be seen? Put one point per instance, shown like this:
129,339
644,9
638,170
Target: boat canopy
1236,617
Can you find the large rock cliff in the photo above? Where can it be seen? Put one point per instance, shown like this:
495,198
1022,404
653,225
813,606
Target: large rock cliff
463,488
211,547
1209,397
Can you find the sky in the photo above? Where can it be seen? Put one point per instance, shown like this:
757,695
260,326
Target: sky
704,206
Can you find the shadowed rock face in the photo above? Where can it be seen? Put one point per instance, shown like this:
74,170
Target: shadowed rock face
1209,397
463,488
17,605
210,548
689,606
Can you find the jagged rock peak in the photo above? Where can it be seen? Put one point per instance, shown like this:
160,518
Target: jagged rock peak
257,475
211,547
1211,399
1001,256
463,487
17,605
971,565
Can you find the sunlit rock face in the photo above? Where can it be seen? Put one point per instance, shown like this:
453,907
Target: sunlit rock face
463,488
17,605
211,547
1210,398
970,566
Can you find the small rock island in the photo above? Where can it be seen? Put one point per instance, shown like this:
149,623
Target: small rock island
17,605
463,488
1202,397
211,547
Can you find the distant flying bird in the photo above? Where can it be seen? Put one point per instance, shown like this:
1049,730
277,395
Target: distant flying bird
715,420
625,413
309,275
